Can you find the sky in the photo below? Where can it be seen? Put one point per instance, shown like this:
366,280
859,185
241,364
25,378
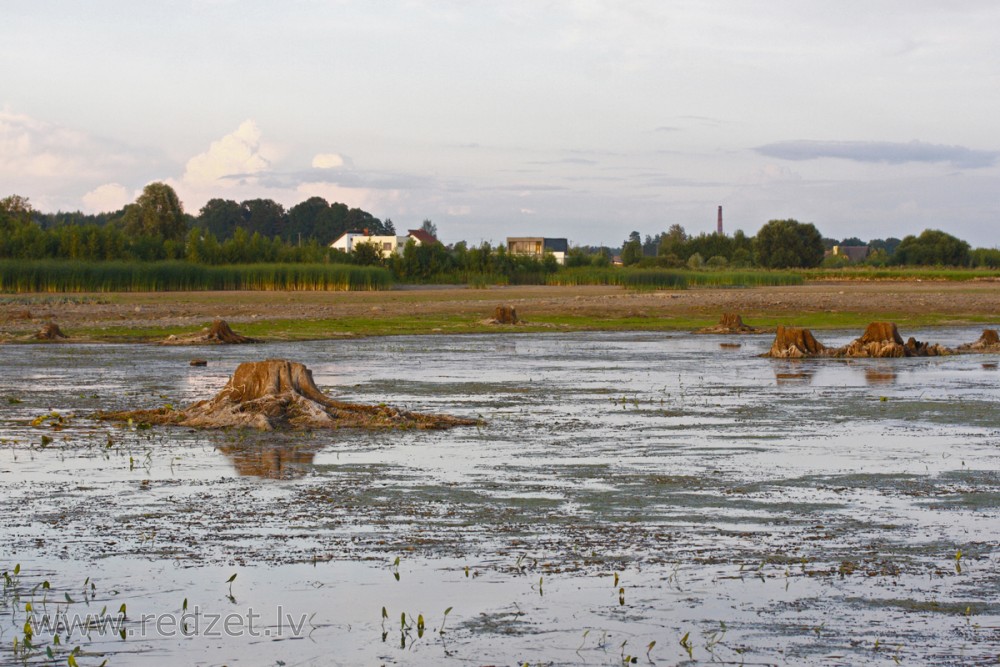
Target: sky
581,119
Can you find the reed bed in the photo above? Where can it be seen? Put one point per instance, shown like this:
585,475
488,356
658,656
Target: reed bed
26,276
667,279
871,273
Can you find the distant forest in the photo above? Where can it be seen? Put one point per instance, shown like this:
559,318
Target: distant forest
155,227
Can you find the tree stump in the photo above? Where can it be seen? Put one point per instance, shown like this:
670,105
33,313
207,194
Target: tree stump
505,314
795,343
880,340
221,332
732,323
277,393
50,331
989,341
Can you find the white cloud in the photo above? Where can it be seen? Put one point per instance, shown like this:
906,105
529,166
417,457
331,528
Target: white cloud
238,154
459,210
107,197
327,161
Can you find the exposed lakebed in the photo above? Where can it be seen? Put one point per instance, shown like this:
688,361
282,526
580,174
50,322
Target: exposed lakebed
625,487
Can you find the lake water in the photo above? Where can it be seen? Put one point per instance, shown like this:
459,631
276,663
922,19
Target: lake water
624,489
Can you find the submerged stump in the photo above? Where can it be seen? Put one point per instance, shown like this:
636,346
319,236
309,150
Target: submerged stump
989,341
277,393
794,343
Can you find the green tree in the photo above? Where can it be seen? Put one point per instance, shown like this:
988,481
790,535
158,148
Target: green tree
782,244
220,217
428,227
632,249
367,254
157,213
263,216
673,241
932,248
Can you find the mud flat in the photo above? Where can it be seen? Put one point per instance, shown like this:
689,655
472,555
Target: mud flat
623,488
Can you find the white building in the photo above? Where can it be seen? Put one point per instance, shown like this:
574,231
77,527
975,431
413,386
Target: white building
387,245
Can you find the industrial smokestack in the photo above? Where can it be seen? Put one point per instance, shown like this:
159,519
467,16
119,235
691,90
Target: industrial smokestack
720,221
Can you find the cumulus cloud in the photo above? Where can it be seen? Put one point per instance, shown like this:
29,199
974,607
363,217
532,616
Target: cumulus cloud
107,197
236,155
327,161
34,148
880,152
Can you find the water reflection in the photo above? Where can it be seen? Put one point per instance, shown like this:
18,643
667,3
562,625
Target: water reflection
274,461
880,375
793,372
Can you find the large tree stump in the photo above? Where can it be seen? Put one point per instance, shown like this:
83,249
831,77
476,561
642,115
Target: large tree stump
880,339
276,393
795,343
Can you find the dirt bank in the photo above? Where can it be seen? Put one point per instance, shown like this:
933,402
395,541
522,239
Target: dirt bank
827,304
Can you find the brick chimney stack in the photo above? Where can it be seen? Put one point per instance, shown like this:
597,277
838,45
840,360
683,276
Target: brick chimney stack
720,221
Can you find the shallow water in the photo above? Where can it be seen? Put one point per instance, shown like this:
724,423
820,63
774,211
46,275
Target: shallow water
764,511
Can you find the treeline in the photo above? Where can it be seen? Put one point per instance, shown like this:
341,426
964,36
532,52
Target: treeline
784,244
156,228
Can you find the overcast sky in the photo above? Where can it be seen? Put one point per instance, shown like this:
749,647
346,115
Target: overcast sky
586,119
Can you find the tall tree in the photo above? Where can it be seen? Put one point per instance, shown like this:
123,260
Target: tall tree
220,217
429,227
782,244
632,249
672,242
156,213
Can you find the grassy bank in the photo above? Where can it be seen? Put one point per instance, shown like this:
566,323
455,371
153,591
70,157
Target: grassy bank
52,276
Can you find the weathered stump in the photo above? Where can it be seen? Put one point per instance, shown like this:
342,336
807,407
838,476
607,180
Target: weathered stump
50,331
505,314
221,332
732,323
218,333
989,341
277,393
795,343
880,340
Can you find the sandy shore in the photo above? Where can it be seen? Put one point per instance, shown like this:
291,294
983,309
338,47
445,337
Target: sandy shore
935,302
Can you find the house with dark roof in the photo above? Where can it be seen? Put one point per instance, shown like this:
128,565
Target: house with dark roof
854,253
538,247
